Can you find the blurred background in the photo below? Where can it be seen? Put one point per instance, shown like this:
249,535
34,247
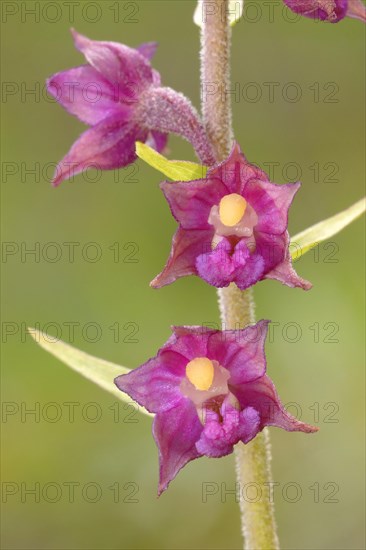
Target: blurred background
81,470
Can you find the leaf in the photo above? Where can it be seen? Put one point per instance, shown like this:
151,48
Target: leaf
306,240
177,170
99,371
235,12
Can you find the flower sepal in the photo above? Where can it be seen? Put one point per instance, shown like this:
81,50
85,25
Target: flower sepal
330,11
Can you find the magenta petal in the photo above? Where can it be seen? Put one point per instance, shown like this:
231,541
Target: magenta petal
286,274
241,352
176,432
272,248
191,201
108,145
156,384
157,140
283,270
262,396
236,171
326,10
186,246
83,92
148,49
117,63
357,10
190,342
271,203
156,78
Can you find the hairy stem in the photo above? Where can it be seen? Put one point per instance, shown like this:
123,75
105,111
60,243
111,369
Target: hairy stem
215,76
236,306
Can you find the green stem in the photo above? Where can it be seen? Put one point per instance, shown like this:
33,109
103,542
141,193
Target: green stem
236,306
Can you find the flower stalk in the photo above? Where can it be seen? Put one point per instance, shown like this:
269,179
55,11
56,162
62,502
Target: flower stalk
170,112
236,306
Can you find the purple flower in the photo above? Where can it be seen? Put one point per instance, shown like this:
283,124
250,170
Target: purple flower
209,390
328,10
232,227
119,95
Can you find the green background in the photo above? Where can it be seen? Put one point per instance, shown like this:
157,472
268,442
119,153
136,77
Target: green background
312,372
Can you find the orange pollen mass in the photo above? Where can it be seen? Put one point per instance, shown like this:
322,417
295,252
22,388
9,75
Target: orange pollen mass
200,372
232,209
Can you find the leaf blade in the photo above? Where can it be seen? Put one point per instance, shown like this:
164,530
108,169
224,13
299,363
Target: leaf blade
97,370
177,170
307,239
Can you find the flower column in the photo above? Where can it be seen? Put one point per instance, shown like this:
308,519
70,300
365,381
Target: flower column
236,306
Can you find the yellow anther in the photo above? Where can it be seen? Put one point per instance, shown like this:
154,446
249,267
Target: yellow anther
200,372
231,209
